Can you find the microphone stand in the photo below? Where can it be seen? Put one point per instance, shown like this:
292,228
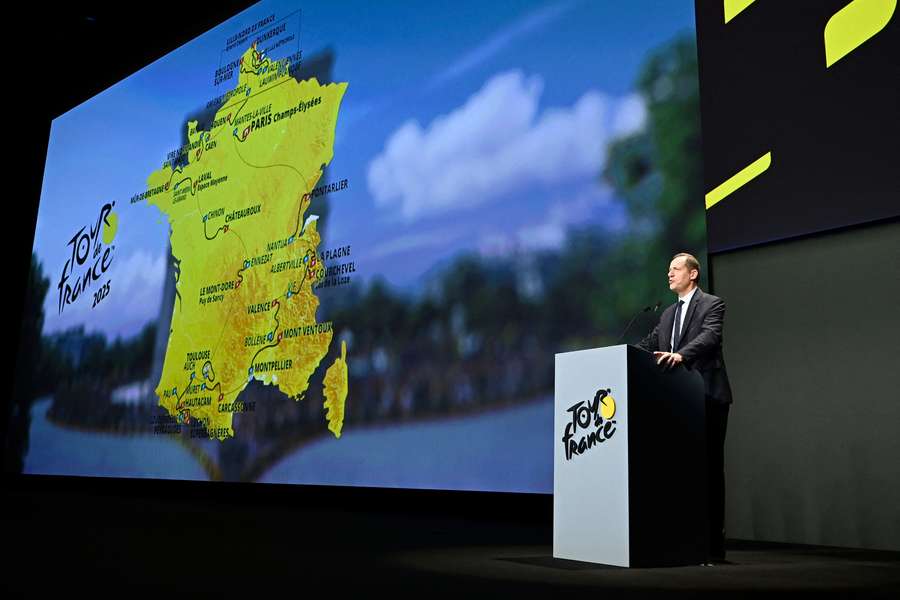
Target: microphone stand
653,308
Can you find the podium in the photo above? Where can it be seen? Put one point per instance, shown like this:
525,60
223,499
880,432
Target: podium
629,473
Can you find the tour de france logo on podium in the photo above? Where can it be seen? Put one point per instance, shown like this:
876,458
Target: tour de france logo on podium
590,423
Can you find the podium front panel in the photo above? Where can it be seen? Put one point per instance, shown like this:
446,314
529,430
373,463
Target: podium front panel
590,475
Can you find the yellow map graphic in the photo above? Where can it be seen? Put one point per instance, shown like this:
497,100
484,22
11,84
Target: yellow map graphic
335,390
245,307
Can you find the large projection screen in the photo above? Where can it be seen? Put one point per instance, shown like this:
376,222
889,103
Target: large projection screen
338,244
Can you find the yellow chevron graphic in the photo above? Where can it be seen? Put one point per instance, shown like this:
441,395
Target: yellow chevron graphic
738,180
849,27
733,7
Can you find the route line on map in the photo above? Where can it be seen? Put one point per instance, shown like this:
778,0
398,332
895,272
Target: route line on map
252,166
265,89
272,333
205,229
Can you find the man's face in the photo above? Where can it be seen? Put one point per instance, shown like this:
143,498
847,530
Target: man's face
680,276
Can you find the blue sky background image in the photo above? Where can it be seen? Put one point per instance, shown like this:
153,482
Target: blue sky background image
488,83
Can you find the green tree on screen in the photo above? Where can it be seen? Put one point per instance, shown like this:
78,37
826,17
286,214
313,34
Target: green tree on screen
659,171
28,365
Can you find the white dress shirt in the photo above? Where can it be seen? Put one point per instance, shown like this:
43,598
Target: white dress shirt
684,308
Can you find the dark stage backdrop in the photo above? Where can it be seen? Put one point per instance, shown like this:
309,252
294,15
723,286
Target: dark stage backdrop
811,344
799,107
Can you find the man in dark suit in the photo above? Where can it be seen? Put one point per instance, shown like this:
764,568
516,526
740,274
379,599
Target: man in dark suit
689,333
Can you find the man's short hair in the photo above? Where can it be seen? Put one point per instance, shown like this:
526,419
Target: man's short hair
690,261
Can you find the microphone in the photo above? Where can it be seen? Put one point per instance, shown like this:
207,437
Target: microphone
646,309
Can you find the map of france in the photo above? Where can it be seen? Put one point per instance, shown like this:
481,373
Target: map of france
247,250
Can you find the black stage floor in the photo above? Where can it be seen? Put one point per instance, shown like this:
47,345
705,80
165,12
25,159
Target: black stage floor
200,544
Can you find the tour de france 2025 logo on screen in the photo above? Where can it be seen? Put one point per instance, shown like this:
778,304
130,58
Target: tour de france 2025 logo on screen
590,423
91,253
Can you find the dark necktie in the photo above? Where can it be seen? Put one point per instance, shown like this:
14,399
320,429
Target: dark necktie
676,336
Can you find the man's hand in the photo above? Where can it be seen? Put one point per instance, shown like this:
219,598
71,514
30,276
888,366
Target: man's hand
668,359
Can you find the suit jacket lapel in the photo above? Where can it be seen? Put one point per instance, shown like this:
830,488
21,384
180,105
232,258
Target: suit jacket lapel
690,314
